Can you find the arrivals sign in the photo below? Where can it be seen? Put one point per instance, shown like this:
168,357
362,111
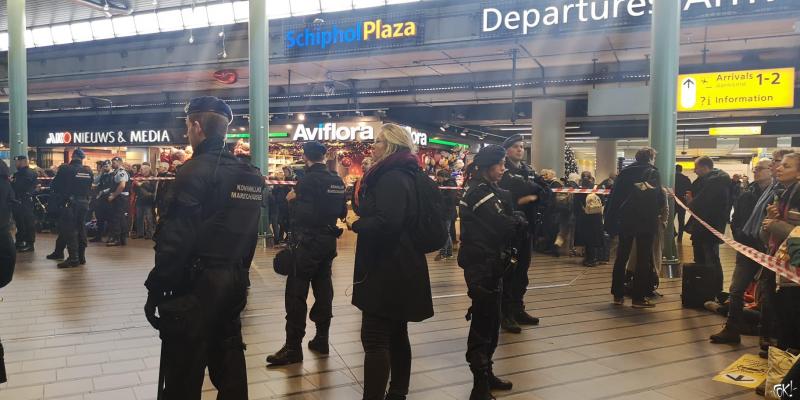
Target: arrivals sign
509,18
109,137
353,35
737,90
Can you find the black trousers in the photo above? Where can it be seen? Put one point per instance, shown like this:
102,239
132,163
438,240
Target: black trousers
220,295
23,217
387,351
643,269
680,212
767,298
102,210
515,280
484,326
787,304
118,219
72,228
295,301
706,252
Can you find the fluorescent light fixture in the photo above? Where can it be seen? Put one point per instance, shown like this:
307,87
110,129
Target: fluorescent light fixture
241,11
101,29
735,131
42,36
171,20
81,32
220,14
518,128
721,123
278,134
124,26
336,5
301,117
146,23
195,17
572,127
578,133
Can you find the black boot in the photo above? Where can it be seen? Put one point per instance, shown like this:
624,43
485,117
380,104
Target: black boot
510,325
496,383
480,386
28,248
82,255
390,396
523,318
319,344
728,335
20,244
56,256
69,263
286,355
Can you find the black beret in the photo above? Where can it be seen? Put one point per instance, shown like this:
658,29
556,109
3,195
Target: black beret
512,140
314,149
117,159
20,158
489,155
79,154
209,104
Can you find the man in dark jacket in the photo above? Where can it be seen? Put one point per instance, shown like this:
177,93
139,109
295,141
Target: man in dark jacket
8,256
73,184
746,269
710,196
316,202
527,194
632,213
204,244
450,197
682,185
24,183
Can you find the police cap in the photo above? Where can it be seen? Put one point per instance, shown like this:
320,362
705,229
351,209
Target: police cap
20,158
489,155
314,150
78,154
513,139
117,159
209,104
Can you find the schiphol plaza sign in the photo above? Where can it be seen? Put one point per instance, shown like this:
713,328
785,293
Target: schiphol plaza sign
352,35
508,19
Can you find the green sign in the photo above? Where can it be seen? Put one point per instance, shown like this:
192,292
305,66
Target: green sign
246,135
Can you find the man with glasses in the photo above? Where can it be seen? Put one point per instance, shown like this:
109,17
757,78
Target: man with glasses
746,269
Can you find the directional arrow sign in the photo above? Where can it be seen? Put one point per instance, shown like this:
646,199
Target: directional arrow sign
737,90
688,92
740,378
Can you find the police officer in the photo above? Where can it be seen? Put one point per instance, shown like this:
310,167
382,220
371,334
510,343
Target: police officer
488,228
526,196
316,203
102,208
118,199
204,241
24,183
72,183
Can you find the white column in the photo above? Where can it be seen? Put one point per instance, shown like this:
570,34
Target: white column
606,158
547,143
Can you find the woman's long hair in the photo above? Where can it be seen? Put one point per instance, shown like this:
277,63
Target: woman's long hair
397,139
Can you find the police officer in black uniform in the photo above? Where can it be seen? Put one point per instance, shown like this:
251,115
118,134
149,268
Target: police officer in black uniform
204,242
24,183
72,184
315,204
102,208
528,191
118,198
488,230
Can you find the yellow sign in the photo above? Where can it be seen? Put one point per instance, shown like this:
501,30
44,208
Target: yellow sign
749,371
736,90
735,131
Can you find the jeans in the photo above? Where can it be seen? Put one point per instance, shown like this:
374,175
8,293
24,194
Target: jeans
707,253
387,351
744,273
145,221
447,250
643,271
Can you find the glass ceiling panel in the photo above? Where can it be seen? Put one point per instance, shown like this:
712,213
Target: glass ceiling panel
42,37
304,7
123,26
146,23
368,3
101,29
241,11
196,17
62,34
220,14
336,5
171,20
28,39
81,32
3,41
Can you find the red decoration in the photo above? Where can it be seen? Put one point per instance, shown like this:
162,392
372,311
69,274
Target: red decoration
347,162
226,76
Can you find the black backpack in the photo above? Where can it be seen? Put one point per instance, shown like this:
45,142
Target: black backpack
643,202
428,232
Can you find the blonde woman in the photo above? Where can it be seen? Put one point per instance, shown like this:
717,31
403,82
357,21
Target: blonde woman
391,282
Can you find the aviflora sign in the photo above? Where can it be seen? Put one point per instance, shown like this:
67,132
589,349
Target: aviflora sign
508,18
110,137
348,37
347,133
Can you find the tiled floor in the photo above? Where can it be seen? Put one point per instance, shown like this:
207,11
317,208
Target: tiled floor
81,334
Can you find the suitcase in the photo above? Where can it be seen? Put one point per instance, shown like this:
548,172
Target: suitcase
698,285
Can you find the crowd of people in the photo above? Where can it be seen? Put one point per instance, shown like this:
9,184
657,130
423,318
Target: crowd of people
208,217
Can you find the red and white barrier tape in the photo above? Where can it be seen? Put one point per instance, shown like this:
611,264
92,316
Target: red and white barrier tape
772,263
581,191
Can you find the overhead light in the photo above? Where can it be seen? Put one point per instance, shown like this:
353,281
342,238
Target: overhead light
443,129
301,117
721,123
463,134
578,133
735,131
155,2
288,126
572,127
106,6
108,13
518,128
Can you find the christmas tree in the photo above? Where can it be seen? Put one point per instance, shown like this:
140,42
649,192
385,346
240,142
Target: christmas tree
570,165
